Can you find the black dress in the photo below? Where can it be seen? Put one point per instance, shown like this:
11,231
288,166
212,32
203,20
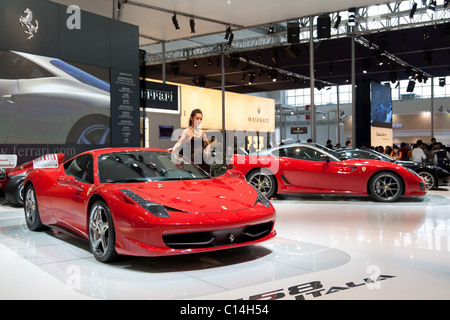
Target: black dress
197,155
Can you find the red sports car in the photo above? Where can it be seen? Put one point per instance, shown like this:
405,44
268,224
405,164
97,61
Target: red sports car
12,180
312,168
139,202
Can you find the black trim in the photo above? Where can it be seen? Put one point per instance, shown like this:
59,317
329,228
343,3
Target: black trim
217,238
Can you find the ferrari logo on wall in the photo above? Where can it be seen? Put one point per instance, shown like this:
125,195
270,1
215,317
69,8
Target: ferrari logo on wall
27,22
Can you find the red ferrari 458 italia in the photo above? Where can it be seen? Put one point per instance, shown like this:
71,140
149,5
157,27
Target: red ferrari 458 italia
314,169
139,202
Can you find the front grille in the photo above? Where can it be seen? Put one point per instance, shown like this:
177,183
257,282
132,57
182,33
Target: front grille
217,238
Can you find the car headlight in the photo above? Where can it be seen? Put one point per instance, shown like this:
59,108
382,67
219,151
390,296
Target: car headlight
412,171
152,207
261,198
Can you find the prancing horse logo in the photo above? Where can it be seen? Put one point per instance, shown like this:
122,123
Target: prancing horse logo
27,21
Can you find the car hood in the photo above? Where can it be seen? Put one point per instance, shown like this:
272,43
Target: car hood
198,196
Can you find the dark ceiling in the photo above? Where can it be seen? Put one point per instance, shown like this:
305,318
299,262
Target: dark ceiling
424,48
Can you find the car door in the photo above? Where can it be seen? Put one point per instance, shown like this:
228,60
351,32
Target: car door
307,168
70,194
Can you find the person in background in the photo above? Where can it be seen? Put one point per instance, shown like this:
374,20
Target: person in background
441,156
387,151
417,154
348,144
403,151
429,153
433,141
396,153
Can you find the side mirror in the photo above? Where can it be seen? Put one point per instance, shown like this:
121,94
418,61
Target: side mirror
324,157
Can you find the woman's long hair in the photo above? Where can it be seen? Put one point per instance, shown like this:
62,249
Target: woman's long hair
193,113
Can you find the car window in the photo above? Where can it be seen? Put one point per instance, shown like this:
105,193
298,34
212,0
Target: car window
14,66
81,168
367,155
303,153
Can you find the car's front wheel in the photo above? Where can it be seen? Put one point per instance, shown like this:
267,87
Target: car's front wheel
102,237
31,209
263,181
386,187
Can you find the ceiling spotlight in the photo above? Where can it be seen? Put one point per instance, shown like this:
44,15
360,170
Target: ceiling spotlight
234,60
413,10
271,29
446,3
365,64
442,82
338,21
251,78
273,74
432,5
227,33
230,39
195,64
175,21
200,81
192,24
411,85
175,68
379,57
393,76
351,17
244,75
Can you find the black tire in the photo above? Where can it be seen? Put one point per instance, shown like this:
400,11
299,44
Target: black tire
14,190
431,181
31,209
264,181
102,237
386,187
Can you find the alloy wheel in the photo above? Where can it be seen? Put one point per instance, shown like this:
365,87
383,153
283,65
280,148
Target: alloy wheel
386,187
101,232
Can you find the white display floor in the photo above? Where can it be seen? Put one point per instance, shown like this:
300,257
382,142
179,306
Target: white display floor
326,248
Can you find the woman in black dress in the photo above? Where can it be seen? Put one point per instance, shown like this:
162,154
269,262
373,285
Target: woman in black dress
193,143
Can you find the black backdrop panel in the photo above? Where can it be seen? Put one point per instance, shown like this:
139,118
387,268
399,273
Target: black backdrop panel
362,114
90,44
12,35
100,42
124,46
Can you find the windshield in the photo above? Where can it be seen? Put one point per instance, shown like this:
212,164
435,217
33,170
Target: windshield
364,154
81,76
327,150
145,166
